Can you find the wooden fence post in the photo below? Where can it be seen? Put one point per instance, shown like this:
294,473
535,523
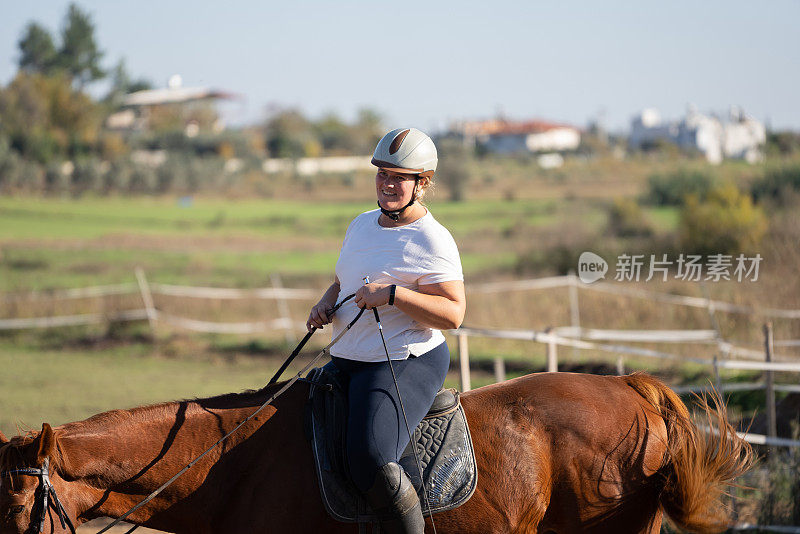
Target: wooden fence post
721,351
769,378
620,365
463,358
574,309
283,307
147,298
552,356
499,369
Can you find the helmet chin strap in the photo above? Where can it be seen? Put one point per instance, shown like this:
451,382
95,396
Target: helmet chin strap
395,214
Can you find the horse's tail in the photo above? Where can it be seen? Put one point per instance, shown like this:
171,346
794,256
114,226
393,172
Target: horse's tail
701,463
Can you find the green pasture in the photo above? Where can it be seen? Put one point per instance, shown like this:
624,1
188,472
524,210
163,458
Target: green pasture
56,243
61,385
41,218
54,268
86,218
92,217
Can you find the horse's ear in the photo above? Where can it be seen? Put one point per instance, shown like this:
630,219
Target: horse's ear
47,443
3,438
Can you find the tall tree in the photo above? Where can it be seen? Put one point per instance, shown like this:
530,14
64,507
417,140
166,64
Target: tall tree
122,83
120,79
46,119
79,54
37,51
289,134
367,130
334,134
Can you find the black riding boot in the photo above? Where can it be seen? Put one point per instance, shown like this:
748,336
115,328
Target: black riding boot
395,501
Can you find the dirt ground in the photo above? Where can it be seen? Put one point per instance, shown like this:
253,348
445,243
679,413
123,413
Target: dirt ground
97,524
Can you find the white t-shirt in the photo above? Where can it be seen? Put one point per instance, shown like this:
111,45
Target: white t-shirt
415,254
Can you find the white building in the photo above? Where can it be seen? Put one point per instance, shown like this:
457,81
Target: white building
135,107
508,137
740,137
314,166
744,137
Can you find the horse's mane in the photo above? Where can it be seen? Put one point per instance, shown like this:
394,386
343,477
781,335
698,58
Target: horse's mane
10,454
10,457
164,410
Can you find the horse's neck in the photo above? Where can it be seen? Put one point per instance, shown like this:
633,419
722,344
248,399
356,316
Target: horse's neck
117,458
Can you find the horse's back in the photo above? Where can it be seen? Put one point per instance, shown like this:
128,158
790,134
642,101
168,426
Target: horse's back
558,437
584,406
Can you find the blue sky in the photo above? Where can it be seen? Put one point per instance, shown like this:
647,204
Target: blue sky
426,63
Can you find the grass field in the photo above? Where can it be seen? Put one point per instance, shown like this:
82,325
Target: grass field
52,243
58,386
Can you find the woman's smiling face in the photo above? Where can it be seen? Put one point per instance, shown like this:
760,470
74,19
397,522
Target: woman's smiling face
394,189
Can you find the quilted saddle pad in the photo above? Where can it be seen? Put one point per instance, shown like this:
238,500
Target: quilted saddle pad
442,440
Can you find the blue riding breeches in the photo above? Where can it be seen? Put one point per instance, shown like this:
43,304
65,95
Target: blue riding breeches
376,431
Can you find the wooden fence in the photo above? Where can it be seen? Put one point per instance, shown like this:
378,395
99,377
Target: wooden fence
572,336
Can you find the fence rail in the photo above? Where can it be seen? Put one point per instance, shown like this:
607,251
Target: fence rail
641,336
72,320
489,287
75,293
573,336
553,340
544,337
231,293
694,302
737,386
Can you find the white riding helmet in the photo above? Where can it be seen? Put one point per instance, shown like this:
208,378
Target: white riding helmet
406,150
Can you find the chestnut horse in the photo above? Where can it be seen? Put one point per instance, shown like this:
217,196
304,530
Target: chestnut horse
556,452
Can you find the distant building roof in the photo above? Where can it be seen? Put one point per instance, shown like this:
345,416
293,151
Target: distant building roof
173,95
507,127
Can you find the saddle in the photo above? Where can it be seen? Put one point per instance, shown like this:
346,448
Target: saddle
442,439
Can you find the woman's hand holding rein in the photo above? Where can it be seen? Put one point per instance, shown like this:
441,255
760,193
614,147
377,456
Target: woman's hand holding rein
440,305
321,312
372,295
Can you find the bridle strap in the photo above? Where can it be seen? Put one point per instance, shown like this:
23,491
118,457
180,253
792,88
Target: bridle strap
48,495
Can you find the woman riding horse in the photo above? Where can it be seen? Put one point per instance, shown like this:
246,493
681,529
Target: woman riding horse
556,452
415,272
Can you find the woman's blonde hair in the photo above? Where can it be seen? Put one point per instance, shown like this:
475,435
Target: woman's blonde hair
424,183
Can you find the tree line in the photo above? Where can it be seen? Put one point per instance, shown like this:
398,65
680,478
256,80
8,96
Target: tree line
54,137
